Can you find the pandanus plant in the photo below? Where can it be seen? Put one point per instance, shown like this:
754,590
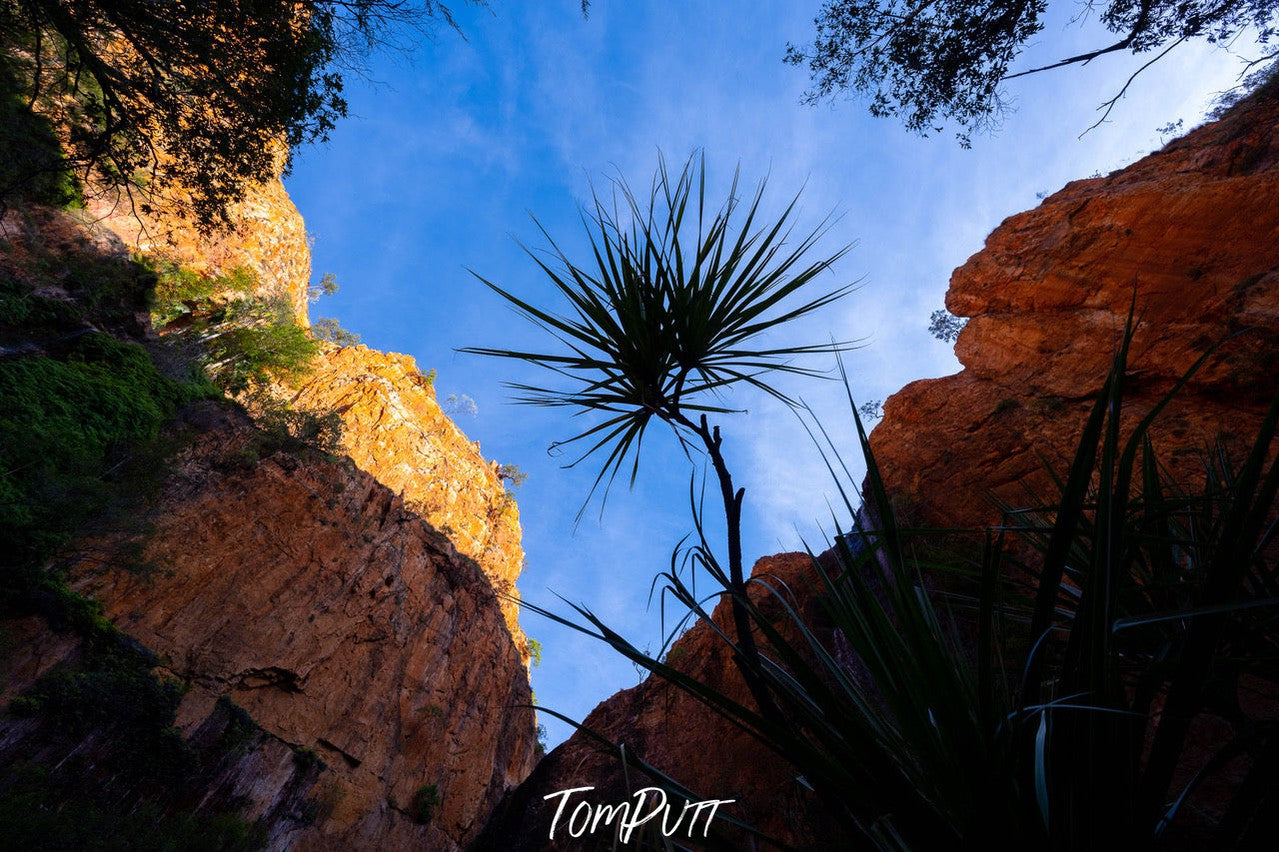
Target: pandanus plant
667,314
1050,706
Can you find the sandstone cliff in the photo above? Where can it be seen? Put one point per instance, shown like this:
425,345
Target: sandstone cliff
266,236
1190,236
370,653
334,640
395,430
306,592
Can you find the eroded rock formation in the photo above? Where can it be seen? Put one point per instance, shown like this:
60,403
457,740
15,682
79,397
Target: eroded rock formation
395,430
1189,236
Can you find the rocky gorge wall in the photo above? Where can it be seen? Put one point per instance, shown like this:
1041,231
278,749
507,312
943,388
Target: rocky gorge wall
394,428
305,591
335,636
343,669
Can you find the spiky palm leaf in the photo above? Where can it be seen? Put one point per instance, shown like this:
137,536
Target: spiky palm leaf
670,310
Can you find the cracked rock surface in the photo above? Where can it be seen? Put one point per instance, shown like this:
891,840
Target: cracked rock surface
305,591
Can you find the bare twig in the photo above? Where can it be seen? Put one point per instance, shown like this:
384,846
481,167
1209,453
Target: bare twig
1110,104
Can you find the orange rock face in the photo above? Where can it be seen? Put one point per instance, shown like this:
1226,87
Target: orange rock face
393,426
395,430
309,594
359,612
268,237
1190,236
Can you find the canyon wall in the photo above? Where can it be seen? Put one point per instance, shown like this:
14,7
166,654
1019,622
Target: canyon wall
335,636
394,428
307,593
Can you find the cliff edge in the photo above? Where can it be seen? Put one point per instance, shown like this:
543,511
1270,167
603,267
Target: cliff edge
1188,237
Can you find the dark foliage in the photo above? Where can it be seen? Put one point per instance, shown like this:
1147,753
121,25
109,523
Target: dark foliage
930,62
32,168
127,775
425,800
66,423
201,96
38,814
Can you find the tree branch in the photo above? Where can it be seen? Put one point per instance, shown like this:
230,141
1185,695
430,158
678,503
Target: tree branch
1110,104
1083,58
1143,20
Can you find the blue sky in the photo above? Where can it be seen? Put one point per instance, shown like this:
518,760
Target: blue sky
449,150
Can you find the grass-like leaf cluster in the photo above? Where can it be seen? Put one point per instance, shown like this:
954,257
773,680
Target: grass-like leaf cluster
674,310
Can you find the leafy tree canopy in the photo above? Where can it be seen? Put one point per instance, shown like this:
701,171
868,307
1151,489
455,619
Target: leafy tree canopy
933,61
195,96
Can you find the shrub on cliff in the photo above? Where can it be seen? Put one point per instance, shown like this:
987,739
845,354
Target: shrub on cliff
246,343
241,337
64,422
330,330
289,428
